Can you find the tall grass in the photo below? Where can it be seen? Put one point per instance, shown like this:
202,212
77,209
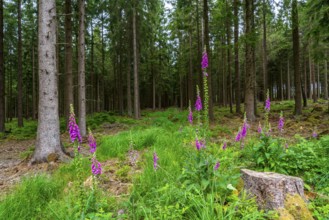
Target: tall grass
30,198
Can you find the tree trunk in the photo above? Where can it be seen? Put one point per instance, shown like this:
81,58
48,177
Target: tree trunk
265,86
236,57
34,89
325,86
228,40
81,70
129,106
136,82
318,81
69,92
288,81
206,41
281,83
2,74
19,70
190,75
295,37
250,72
48,135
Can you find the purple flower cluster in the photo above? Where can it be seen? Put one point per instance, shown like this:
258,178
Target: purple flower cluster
259,129
190,116
204,62
238,136
242,133
314,134
268,103
96,167
198,103
224,146
281,122
74,128
92,142
199,144
155,161
217,166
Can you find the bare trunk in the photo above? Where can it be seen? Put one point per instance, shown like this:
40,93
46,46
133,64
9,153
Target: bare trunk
2,74
318,81
288,81
325,86
19,70
190,75
265,86
228,40
295,37
281,83
136,82
81,70
236,56
69,92
129,106
250,72
48,135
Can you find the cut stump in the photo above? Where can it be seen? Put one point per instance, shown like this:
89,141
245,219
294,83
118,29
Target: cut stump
271,189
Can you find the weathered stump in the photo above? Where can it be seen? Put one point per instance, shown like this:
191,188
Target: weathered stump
271,189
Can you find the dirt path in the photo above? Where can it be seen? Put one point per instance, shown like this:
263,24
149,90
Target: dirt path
12,165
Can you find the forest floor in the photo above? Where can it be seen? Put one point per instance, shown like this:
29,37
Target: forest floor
15,154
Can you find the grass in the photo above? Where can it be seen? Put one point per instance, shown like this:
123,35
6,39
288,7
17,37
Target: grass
174,190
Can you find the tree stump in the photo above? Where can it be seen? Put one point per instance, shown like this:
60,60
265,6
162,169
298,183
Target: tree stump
271,189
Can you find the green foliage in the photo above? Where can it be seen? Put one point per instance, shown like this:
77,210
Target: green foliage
113,146
268,153
27,132
30,198
97,119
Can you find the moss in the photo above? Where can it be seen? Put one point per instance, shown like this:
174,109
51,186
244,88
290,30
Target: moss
296,206
285,215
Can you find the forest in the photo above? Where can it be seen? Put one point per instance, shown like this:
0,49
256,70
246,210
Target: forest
164,109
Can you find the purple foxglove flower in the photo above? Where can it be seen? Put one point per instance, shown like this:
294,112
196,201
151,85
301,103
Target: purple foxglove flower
268,104
190,117
286,146
238,137
244,130
198,103
79,148
74,128
204,62
197,144
96,167
281,123
224,146
92,142
259,130
155,161
217,166
314,134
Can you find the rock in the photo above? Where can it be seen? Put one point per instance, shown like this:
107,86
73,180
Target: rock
271,189
52,157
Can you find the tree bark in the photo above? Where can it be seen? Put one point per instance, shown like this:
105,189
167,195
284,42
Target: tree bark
19,68
206,41
136,81
325,87
129,106
2,74
48,135
288,81
265,86
81,70
228,40
250,72
236,57
69,91
295,37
